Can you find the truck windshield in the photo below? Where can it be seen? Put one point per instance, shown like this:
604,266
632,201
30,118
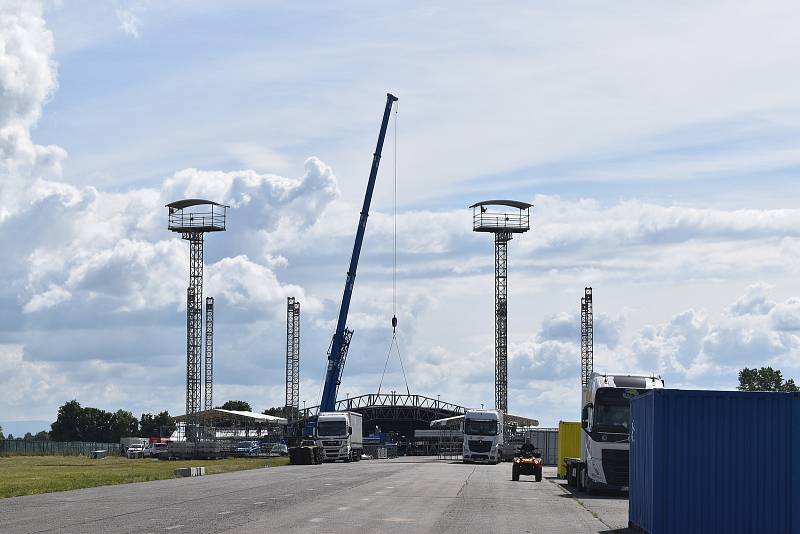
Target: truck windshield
331,428
480,427
612,409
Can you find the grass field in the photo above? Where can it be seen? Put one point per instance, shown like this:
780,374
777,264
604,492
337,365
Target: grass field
27,475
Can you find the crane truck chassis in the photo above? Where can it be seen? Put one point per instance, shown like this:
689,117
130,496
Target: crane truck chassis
605,436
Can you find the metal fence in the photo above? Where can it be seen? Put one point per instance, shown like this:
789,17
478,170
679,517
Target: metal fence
56,448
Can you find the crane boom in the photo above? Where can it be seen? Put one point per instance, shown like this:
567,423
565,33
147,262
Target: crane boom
328,402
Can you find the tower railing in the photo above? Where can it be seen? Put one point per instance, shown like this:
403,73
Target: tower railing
492,221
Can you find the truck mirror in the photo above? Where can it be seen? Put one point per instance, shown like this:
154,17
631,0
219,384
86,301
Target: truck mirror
349,430
585,416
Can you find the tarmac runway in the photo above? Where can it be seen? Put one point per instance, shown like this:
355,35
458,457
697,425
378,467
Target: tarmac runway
408,495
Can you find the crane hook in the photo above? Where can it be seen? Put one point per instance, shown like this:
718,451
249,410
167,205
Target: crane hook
394,323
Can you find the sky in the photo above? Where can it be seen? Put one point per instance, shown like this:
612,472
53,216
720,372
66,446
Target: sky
658,143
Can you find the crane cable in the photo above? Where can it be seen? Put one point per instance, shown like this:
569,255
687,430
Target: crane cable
394,343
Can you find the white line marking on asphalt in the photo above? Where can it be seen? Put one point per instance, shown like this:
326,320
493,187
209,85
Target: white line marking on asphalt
316,520
328,484
389,487
379,493
288,494
342,508
399,519
173,526
364,498
260,502
224,513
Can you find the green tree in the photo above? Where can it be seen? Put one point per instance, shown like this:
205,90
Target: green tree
68,424
44,435
764,379
239,405
161,424
28,436
11,436
97,425
123,424
2,437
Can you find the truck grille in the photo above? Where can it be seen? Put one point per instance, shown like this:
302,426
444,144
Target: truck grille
330,443
615,466
479,446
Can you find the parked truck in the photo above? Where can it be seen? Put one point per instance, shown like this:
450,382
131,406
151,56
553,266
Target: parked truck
605,436
340,436
483,436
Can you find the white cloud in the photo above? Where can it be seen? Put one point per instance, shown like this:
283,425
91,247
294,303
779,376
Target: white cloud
27,79
128,22
754,301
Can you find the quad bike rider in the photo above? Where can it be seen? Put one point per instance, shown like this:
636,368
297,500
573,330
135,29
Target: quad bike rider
528,461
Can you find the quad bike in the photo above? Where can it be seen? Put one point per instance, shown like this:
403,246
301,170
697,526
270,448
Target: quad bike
527,463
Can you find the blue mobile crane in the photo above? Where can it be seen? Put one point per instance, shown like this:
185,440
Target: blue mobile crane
340,341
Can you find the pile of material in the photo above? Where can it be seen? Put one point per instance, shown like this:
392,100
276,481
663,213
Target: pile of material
307,454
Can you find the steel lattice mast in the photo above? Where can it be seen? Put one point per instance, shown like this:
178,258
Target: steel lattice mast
194,323
508,217
501,240
292,357
192,218
587,337
209,360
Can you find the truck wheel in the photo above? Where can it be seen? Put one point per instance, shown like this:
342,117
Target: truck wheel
579,479
515,472
539,474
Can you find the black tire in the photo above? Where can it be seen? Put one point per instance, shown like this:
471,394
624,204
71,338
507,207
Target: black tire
579,479
539,474
515,472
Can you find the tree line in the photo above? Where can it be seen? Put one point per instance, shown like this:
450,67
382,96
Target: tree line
76,423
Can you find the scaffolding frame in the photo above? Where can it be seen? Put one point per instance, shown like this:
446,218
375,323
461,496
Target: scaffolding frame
292,403
209,359
587,337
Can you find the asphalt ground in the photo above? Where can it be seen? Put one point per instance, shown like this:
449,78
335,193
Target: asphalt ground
408,495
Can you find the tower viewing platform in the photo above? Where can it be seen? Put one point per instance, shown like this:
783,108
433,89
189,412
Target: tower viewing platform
501,216
194,215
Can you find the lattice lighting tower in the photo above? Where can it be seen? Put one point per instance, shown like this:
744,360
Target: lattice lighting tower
292,357
503,218
587,337
192,218
208,377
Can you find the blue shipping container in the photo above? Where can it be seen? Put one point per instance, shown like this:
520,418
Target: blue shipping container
715,461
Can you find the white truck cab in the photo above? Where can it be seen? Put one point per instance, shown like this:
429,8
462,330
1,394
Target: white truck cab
483,436
340,436
605,435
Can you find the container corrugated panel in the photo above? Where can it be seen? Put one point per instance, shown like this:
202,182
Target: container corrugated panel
715,461
546,440
569,444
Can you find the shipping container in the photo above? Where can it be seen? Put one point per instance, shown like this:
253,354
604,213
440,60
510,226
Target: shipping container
546,440
715,461
569,444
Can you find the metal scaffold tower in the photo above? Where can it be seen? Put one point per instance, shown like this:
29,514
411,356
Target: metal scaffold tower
192,218
503,218
209,370
587,337
292,357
